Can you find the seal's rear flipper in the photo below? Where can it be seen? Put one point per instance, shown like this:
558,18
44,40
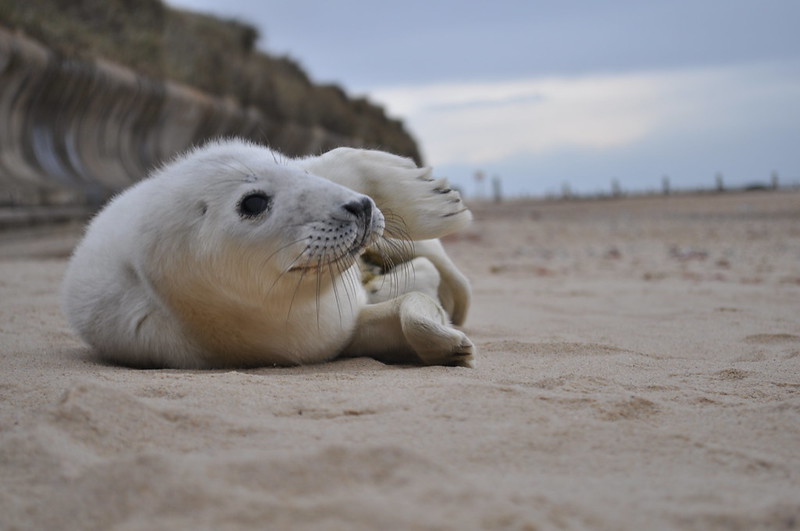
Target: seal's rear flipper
410,328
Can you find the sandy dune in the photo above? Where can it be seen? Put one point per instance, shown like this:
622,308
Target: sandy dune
639,368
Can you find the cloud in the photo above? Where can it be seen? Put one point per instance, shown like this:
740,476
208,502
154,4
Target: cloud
482,123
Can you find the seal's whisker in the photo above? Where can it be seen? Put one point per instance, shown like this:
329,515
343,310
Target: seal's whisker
287,246
396,251
282,159
355,284
394,225
342,265
320,263
294,294
250,171
335,293
286,270
404,277
230,166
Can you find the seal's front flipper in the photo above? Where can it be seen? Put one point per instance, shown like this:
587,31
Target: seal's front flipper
416,205
418,274
410,328
407,267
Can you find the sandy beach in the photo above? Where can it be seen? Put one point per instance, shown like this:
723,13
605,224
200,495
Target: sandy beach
638,368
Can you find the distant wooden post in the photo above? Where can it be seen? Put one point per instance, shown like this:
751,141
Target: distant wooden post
719,181
774,180
665,184
497,189
479,179
566,191
616,189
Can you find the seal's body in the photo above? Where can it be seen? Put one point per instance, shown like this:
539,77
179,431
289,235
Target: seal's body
233,256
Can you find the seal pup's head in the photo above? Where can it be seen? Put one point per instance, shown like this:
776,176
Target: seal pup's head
238,202
235,234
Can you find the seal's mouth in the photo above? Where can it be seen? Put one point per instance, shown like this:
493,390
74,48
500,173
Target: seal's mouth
340,262
338,258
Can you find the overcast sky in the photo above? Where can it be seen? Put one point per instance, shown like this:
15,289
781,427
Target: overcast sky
546,93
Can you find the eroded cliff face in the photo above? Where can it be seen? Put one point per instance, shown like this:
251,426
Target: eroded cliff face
74,131
76,126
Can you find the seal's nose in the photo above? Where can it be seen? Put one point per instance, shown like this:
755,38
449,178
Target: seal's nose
360,208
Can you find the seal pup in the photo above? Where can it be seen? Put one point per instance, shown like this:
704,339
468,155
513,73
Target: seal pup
232,255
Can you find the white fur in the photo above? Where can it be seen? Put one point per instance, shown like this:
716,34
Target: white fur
170,274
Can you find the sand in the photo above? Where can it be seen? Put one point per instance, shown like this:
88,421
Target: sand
639,368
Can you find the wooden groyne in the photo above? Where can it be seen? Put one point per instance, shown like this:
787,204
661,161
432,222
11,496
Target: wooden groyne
74,132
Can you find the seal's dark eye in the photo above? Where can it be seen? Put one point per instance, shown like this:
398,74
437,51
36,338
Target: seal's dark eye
254,204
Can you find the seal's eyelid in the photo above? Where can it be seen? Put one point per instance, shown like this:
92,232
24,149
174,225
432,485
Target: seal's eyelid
254,204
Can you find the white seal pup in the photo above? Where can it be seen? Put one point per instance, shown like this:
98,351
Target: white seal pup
234,256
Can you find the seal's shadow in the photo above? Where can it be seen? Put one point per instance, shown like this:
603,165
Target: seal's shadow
86,355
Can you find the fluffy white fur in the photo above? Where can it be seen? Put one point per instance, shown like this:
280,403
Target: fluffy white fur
174,272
